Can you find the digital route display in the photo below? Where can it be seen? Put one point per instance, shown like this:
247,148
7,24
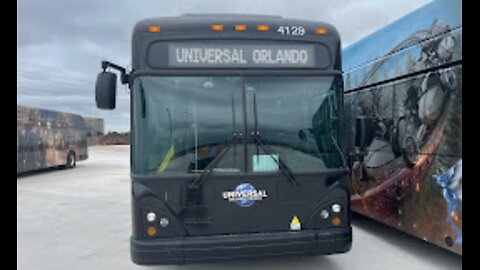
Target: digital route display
240,55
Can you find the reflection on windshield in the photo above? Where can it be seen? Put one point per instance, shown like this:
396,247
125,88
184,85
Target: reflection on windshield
191,120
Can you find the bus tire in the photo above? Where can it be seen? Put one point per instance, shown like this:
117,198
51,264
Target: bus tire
71,160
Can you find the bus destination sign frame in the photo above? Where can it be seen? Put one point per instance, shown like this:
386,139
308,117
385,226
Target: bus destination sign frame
191,55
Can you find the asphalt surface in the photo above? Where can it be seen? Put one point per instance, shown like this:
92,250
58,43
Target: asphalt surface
80,219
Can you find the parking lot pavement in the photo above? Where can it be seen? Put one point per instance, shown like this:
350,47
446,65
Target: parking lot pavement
80,219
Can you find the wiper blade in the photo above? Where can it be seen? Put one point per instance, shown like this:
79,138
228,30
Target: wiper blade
201,178
286,172
284,169
226,146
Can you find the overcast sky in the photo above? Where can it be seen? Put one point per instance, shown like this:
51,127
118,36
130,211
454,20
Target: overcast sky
60,43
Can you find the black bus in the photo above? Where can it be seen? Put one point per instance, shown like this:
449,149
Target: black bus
237,138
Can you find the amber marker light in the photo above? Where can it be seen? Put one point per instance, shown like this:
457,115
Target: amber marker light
321,31
151,231
336,221
154,29
263,28
217,27
240,27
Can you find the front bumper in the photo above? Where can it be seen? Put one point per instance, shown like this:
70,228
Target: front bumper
194,249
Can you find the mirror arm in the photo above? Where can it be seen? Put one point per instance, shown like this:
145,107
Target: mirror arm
123,71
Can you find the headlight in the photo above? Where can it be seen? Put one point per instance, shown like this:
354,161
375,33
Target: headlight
336,208
151,217
164,222
324,214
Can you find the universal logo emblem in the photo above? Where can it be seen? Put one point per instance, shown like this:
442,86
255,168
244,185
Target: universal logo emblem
244,195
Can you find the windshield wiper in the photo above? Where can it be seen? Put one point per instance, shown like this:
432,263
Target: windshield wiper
259,142
225,147
200,178
284,169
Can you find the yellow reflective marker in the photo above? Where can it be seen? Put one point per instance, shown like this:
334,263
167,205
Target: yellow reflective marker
167,159
151,231
295,224
336,221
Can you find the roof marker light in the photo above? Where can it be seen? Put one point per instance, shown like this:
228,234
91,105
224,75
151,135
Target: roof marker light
217,27
321,31
263,27
154,29
240,27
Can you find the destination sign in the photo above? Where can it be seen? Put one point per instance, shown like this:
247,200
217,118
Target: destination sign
240,55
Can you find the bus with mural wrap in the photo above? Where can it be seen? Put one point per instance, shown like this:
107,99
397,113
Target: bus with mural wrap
237,147
403,112
47,139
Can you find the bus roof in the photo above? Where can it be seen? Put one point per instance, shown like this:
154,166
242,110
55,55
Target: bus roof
203,23
200,27
36,116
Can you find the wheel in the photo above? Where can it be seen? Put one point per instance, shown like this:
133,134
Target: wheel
71,161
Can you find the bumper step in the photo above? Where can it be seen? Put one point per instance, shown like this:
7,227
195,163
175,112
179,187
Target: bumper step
195,249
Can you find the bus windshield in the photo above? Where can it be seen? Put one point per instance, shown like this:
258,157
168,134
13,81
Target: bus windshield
182,124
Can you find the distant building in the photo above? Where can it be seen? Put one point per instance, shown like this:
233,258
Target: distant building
96,126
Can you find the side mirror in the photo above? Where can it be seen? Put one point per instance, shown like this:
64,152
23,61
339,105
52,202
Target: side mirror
105,90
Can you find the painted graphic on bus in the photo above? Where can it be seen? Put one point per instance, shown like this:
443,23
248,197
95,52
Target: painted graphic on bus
405,127
48,138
